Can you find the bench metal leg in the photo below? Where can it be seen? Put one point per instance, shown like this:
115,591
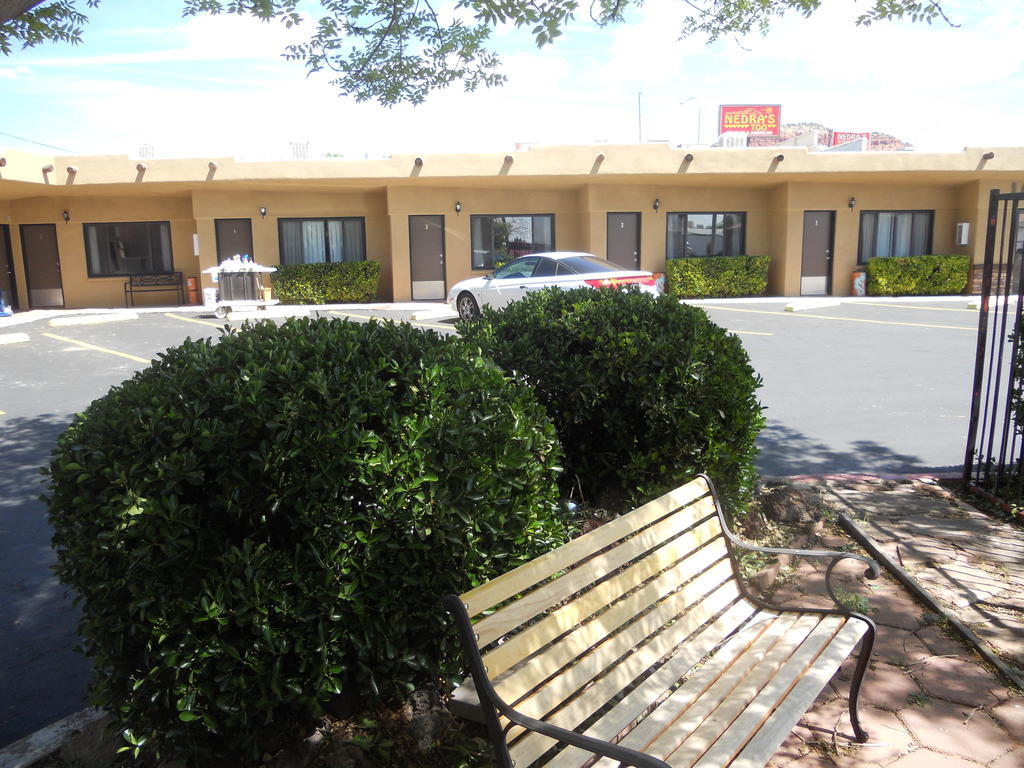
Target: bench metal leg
867,645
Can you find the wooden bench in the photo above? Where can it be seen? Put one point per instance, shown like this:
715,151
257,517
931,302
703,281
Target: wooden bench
638,643
161,281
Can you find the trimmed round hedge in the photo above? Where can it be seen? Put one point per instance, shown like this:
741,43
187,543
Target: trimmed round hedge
645,393
256,524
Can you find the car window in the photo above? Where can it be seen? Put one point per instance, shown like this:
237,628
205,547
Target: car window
564,269
546,268
517,268
584,264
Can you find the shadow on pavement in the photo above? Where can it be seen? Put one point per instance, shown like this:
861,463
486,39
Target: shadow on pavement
41,677
785,451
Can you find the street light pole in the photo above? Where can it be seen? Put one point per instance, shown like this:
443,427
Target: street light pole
639,119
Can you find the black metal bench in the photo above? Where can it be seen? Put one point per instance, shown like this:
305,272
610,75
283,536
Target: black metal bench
161,281
638,644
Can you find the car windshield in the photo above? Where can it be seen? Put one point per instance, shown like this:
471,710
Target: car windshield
584,264
517,268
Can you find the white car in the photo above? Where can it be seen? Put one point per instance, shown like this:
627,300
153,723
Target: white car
558,269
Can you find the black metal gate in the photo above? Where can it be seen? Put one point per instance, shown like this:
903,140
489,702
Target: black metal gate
994,460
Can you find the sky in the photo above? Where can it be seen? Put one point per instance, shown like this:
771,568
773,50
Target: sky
218,86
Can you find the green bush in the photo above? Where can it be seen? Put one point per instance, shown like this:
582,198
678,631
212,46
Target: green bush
346,282
254,525
932,275
717,276
644,392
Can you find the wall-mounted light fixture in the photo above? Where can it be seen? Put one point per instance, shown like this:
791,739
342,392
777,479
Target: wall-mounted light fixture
852,203
509,159
688,158
458,207
779,158
72,170
657,204
263,212
600,157
988,155
213,165
419,162
67,216
141,167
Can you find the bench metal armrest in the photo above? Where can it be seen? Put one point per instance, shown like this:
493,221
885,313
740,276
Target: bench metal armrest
490,700
871,572
625,755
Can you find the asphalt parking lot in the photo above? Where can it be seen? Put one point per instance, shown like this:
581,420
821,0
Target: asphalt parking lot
867,386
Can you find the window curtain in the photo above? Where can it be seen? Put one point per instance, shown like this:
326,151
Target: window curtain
291,242
313,247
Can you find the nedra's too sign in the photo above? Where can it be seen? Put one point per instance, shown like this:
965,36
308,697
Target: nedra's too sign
755,119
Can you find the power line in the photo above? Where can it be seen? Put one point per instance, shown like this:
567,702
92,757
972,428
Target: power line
41,144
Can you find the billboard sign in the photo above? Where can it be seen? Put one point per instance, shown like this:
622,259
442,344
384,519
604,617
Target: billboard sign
753,119
845,137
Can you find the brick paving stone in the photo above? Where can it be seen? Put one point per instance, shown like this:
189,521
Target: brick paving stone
812,760
793,748
939,643
1011,716
925,758
957,730
822,720
899,647
888,687
1014,759
887,739
896,610
957,680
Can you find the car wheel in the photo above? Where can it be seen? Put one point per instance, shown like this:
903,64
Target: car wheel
467,306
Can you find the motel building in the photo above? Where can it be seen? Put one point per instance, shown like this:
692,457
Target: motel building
73,228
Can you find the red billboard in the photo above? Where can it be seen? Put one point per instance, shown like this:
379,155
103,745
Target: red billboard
845,137
754,119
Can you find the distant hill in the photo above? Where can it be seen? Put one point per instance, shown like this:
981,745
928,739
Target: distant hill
881,142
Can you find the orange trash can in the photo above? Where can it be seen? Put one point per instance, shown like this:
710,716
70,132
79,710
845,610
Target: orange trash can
192,284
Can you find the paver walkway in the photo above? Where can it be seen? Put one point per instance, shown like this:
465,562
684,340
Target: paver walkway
928,700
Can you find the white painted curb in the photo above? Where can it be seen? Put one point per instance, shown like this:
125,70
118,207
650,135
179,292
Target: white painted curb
433,314
805,304
48,740
13,338
111,317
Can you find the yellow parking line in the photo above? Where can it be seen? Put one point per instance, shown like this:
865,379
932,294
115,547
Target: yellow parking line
86,345
193,320
846,319
411,322
2,413
910,306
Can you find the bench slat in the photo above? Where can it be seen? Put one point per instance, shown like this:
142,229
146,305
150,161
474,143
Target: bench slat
589,665
525,576
604,594
686,708
762,746
776,672
633,705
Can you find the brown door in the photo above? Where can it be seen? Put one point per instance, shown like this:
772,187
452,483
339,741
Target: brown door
42,265
624,239
816,264
426,257
7,284
234,236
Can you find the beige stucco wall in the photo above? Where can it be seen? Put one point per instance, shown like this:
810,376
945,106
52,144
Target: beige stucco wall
569,182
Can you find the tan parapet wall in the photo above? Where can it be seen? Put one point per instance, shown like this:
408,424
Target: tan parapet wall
580,185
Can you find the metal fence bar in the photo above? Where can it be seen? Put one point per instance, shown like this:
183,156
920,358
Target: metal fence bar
994,459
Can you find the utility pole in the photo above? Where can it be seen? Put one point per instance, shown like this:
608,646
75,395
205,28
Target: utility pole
639,119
